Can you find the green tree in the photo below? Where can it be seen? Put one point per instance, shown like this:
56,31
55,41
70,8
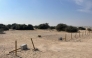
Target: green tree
61,27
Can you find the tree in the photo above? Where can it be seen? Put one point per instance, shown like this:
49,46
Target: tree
82,28
9,26
71,29
89,29
61,27
4,27
30,27
43,26
52,27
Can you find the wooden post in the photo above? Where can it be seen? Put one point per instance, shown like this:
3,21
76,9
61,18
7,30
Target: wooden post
71,35
16,48
32,43
75,35
82,34
79,34
89,32
85,32
65,37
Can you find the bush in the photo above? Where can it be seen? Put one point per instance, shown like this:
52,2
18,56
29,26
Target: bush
89,29
39,36
60,38
1,31
22,27
71,29
4,27
61,27
52,27
82,28
36,27
43,26
9,26
30,27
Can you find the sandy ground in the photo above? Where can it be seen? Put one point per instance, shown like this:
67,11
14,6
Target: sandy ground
49,46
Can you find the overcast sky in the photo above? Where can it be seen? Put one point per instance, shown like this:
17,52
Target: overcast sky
71,12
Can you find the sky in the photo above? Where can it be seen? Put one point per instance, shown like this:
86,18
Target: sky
35,12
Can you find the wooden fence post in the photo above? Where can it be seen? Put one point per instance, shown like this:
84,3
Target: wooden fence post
85,32
16,48
71,35
32,43
65,37
79,34
82,34
75,35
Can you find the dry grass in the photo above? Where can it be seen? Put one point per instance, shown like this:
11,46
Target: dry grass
49,46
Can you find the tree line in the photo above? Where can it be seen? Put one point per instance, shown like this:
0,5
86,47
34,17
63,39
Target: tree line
59,27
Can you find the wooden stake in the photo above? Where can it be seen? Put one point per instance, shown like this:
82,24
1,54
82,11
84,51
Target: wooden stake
16,48
79,34
71,35
32,43
75,35
65,37
89,32
82,34
85,32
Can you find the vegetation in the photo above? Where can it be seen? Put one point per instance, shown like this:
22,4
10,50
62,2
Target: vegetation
22,27
71,29
16,27
61,27
89,29
82,28
43,26
52,27
64,27
36,27
4,27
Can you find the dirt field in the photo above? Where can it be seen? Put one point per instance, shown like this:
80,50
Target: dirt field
49,46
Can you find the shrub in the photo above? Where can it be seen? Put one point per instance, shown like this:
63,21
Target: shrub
89,29
1,31
30,27
22,27
60,38
36,27
61,27
39,36
4,27
71,29
9,26
82,28
43,26
52,27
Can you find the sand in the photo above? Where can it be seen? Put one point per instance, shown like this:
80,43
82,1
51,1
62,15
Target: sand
49,46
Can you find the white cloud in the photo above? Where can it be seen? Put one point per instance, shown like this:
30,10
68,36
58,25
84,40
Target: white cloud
86,5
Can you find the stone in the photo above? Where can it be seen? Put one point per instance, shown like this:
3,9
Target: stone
60,38
24,47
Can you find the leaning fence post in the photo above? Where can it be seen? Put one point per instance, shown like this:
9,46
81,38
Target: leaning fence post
32,43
